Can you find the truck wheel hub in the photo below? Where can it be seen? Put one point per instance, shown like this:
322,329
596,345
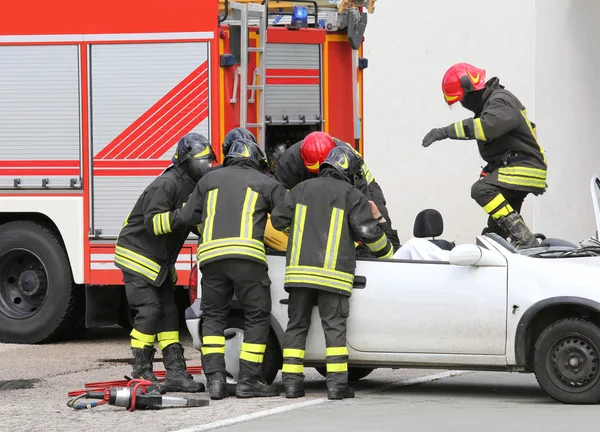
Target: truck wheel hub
31,281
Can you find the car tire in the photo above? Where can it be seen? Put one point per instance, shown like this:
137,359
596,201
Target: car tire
38,299
354,373
566,361
273,357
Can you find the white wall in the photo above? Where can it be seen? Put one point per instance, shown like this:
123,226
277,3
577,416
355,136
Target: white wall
567,97
410,45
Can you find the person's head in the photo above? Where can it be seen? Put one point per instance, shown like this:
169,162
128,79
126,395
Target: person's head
343,162
314,150
464,83
247,152
233,135
195,155
274,155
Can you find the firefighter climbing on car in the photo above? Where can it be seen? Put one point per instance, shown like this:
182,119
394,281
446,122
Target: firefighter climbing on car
507,141
146,251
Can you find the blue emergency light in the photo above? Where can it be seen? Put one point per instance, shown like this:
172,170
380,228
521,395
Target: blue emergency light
299,17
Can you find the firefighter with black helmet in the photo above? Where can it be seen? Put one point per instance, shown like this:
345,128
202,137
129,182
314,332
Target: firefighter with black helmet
146,251
507,141
231,206
327,214
302,160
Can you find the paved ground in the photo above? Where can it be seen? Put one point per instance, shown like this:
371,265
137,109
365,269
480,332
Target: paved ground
472,402
101,356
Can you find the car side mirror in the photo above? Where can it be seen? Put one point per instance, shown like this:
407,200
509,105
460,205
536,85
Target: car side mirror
473,255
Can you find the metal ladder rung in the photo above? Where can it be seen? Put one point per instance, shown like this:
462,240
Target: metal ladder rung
256,50
256,87
255,10
256,125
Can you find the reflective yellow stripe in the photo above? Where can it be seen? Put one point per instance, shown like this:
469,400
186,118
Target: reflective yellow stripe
334,237
329,273
479,134
367,172
295,353
534,133
248,214
137,258
213,340
493,204
231,241
504,211
338,351
459,129
156,225
139,344
524,171
135,267
522,181
379,244
212,350
165,343
166,222
298,232
255,348
317,280
390,253
251,357
142,337
292,368
337,367
168,335
231,250
211,209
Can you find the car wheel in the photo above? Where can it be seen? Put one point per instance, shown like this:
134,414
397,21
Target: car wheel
566,361
354,373
272,360
38,300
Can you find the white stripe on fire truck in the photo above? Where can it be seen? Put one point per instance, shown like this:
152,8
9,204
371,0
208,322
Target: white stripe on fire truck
107,37
110,257
111,266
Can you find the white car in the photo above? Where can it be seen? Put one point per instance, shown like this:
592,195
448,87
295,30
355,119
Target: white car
490,307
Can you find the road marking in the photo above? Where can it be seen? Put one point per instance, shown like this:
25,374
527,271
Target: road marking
295,406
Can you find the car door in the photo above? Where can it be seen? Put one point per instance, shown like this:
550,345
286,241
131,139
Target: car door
428,307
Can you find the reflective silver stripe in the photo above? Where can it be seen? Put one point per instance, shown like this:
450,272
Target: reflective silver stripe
211,209
333,238
298,232
248,214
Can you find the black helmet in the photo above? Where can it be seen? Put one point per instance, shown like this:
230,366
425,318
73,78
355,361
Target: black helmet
344,161
233,135
246,149
195,155
274,156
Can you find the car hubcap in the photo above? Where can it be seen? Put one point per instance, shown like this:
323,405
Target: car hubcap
23,284
573,363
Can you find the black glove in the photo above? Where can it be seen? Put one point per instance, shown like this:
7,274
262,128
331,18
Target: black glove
436,134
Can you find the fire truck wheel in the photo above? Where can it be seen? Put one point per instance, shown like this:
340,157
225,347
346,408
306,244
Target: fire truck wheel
37,295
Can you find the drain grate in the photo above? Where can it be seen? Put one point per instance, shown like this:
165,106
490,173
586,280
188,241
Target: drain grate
17,384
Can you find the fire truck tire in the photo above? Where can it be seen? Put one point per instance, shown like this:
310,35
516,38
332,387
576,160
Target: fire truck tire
38,301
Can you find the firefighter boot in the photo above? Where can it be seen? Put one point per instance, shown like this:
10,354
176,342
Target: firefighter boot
178,379
217,385
248,388
520,235
294,391
142,364
340,393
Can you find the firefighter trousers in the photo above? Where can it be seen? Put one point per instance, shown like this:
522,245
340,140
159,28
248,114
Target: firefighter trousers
156,315
249,281
333,310
497,201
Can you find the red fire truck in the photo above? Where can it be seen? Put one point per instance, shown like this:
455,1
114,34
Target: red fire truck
95,94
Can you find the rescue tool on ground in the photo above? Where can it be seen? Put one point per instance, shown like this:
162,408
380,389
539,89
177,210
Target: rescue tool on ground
64,199
507,141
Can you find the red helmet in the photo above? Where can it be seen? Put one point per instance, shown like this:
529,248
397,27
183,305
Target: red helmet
314,150
461,78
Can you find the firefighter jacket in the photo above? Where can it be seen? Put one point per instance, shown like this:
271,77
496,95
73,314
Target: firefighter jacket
326,216
148,244
507,141
230,205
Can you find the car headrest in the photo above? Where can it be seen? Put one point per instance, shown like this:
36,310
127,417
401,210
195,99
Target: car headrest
428,223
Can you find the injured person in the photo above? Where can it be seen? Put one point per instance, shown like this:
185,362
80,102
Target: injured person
422,250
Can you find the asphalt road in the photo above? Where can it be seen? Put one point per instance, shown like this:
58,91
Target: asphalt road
471,402
103,355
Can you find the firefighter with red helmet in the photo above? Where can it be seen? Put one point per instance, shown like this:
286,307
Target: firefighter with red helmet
302,161
507,141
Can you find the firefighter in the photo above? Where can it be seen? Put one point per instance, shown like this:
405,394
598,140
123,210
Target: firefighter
301,162
231,206
327,214
507,141
146,251
232,136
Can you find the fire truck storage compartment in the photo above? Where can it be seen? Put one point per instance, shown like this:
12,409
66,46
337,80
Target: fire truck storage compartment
143,98
293,84
40,139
